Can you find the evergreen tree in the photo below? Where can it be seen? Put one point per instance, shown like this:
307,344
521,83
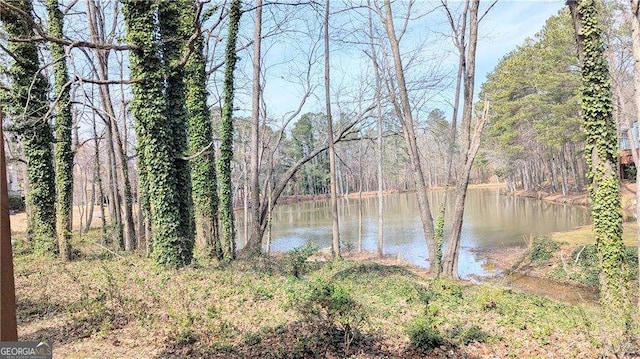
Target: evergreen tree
535,104
28,104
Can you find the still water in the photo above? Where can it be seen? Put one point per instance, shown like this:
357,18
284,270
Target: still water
491,221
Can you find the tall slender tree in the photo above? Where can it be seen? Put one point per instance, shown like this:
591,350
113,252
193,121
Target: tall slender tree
28,104
256,235
380,140
98,33
63,125
468,149
226,135
203,166
332,152
601,149
403,110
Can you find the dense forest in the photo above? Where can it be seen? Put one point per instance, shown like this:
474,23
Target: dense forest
169,120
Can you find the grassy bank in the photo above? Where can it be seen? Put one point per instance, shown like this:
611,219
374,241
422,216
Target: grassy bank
110,306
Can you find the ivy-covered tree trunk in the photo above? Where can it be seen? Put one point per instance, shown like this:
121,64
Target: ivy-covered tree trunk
28,105
226,136
175,35
63,124
204,184
154,134
601,150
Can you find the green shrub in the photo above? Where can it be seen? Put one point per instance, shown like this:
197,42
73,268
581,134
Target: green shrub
543,248
325,301
472,334
586,265
296,259
423,334
16,203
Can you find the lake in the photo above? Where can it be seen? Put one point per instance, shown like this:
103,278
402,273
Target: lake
492,221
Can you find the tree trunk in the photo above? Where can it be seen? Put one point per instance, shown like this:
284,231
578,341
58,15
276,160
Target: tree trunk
226,134
360,180
63,124
203,167
154,133
404,112
332,154
28,106
635,37
601,145
554,175
564,173
380,142
8,322
175,33
245,196
98,179
255,240
96,29
469,149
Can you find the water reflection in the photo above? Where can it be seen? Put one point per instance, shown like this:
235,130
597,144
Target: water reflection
491,221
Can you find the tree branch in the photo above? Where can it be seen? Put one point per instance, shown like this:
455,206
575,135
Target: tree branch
6,7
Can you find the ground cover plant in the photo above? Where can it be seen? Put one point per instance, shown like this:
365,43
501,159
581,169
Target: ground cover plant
104,304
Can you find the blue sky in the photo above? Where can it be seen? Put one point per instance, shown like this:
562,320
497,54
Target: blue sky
505,27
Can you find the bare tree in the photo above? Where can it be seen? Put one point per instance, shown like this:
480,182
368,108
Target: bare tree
332,152
380,141
469,149
404,112
255,126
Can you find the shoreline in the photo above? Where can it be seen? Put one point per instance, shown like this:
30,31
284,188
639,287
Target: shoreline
315,197
627,193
